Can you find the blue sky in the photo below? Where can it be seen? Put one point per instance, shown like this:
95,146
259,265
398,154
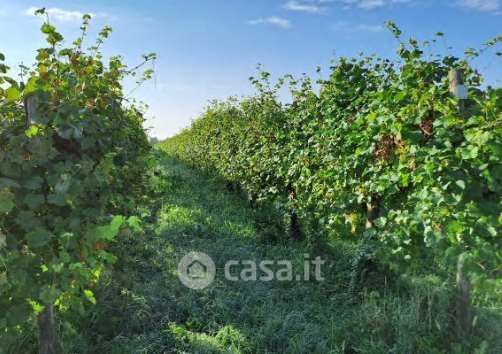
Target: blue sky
207,49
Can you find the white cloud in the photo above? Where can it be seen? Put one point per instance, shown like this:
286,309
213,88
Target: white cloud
369,28
361,27
310,7
481,5
59,14
273,20
369,4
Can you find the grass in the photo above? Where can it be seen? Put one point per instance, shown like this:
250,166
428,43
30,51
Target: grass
143,308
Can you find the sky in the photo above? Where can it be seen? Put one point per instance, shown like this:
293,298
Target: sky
208,49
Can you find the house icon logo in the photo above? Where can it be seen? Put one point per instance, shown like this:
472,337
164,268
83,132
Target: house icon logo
196,270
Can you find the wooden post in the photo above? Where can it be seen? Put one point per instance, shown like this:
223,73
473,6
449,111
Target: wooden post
372,211
370,215
46,331
30,108
47,339
457,88
463,303
463,308
456,79
294,226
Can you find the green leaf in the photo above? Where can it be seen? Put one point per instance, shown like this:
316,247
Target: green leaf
455,228
3,240
12,94
3,279
492,231
460,183
31,131
381,221
38,238
134,223
40,11
117,222
28,221
33,183
34,201
89,295
56,199
47,28
107,257
17,314
63,185
31,86
470,152
478,137
8,183
413,136
6,201
109,232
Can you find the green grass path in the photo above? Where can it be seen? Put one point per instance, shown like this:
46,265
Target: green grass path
157,314
144,308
